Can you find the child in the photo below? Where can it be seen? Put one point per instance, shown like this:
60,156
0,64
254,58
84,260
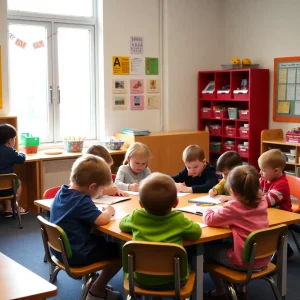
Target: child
102,152
198,176
244,214
156,222
225,163
8,157
134,169
74,211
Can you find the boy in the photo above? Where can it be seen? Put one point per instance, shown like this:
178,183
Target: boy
198,176
225,163
74,211
8,157
156,222
102,152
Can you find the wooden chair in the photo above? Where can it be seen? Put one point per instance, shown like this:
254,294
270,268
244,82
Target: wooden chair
55,237
9,181
259,244
156,259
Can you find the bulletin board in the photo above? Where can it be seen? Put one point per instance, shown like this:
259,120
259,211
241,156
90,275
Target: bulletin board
286,93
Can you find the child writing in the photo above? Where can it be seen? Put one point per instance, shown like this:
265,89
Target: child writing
157,222
247,212
134,168
225,163
198,176
74,211
8,157
102,152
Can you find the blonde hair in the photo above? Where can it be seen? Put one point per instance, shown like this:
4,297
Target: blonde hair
100,151
137,149
89,169
158,194
244,181
273,158
192,153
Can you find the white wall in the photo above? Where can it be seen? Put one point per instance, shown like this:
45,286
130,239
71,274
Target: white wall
262,31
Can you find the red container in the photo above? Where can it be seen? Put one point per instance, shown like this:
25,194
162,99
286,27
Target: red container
220,113
206,112
31,150
244,114
243,150
230,131
228,147
244,132
293,136
215,129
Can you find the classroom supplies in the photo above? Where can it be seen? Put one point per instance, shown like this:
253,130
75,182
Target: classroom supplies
74,144
113,144
110,199
197,210
206,200
30,143
136,132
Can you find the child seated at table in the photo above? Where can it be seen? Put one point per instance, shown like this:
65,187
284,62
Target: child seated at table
247,212
225,163
74,211
157,222
198,176
134,168
102,152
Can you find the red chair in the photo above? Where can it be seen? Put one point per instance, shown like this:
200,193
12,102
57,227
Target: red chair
50,193
294,183
113,177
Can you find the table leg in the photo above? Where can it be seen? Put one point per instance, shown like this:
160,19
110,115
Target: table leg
282,274
197,265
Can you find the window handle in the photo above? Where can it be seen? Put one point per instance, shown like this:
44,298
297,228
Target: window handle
58,94
51,94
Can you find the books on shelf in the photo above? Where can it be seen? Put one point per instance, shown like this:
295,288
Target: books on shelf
110,199
136,132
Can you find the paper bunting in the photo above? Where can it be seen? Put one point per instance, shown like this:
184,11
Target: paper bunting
21,43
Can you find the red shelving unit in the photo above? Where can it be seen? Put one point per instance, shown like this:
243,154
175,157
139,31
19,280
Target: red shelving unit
255,101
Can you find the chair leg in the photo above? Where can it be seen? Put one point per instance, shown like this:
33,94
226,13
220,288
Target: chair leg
273,286
53,275
88,279
232,291
296,240
19,216
45,258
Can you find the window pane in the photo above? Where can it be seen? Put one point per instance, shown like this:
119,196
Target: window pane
77,111
78,8
28,76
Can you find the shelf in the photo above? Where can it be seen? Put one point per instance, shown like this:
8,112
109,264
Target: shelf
281,142
214,152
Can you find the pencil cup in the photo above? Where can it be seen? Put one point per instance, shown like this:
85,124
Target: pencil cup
73,146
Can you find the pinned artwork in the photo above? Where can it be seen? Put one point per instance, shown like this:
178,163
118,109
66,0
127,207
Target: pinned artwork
137,102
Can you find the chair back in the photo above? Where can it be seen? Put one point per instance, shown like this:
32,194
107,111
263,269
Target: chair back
8,181
51,193
294,183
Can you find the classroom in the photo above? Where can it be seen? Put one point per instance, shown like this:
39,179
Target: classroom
58,79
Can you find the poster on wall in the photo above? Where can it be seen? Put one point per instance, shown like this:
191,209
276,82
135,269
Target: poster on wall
119,102
120,65
151,65
136,45
136,66
119,86
136,86
153,86
153,101
1,102
137,102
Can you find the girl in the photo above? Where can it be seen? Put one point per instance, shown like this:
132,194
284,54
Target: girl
134,168
244,214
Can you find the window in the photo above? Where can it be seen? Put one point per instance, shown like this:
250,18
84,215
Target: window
52,76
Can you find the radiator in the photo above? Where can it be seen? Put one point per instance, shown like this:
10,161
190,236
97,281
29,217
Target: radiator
57,172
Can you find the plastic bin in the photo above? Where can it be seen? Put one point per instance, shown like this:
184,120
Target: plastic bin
31,149
243,150
229,146
244,132
244,114
232,112
220,113
27,140
206,112
215,129
230,131
215,146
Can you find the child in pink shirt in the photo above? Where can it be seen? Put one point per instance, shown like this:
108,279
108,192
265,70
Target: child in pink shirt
244,214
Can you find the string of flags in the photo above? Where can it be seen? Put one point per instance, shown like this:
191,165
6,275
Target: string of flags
22,44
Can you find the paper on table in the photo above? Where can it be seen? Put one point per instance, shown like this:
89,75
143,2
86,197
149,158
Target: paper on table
132,193
198,210
110,199
202,225
206,200
119,215
179,194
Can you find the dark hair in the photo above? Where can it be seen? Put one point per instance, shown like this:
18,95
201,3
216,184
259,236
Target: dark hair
244,181
100,151
192,153
158,194
229,160
7,132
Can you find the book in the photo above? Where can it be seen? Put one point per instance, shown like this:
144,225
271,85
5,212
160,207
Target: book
197,209
110,199
206,200
136,132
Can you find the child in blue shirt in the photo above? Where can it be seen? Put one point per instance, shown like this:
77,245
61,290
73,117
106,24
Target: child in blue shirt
198,176
75,212
8,157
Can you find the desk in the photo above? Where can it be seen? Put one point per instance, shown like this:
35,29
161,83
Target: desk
275,216
17,282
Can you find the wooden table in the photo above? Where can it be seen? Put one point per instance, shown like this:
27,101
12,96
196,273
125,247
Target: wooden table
275,216
17,282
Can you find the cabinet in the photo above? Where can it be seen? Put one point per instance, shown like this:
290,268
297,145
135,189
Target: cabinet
275,139
235,111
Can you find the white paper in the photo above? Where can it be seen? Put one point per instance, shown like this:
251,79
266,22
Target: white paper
119,214
179,194
132,193
207,200
202,225
110,199
297,91
136,44
291,78
298,76
297,108
290,92
198,209
137,66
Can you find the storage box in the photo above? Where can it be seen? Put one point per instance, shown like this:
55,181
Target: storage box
229,147
293,136
243,150
290,158
27,140
220,113
244,132
206,112
232,112
31,149
215,146
244,114
230,131
215,129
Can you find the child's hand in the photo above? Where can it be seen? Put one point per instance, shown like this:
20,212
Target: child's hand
181,187
212,192
109,209
121,193
110,190
134,187
226,198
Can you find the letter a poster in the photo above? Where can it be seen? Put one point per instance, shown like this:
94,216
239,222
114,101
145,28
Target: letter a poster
121,65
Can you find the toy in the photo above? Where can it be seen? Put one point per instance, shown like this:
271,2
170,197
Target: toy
235,61
246,61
